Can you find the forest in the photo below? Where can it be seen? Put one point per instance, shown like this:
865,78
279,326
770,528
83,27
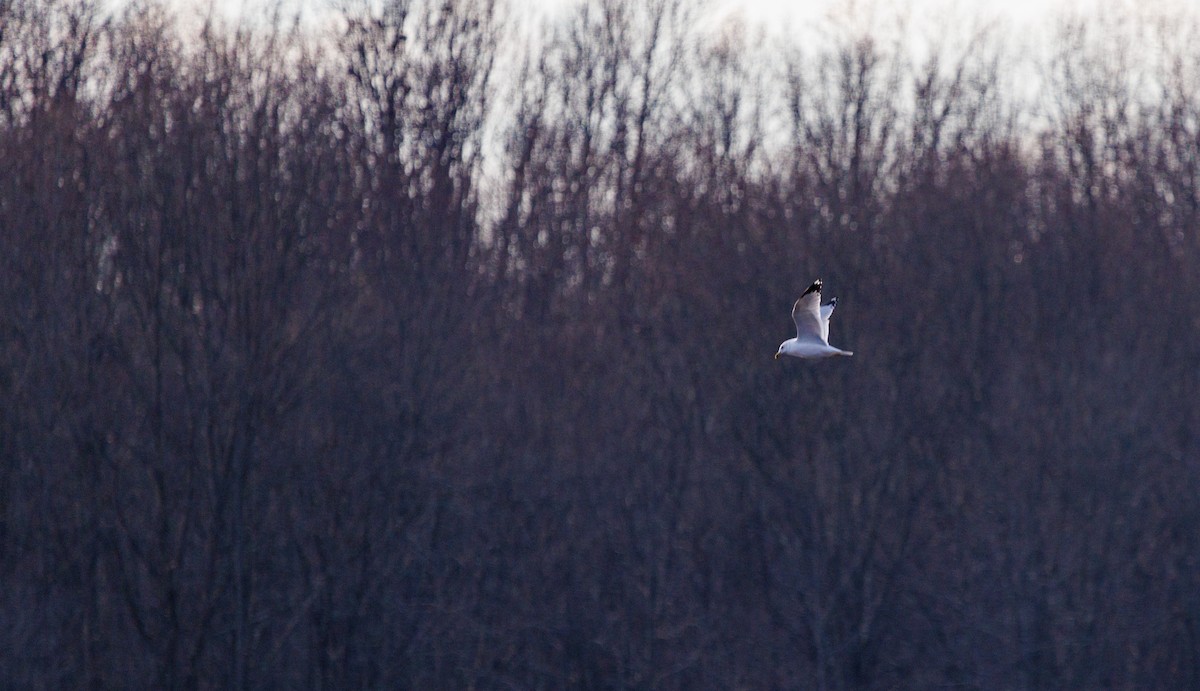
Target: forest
433,348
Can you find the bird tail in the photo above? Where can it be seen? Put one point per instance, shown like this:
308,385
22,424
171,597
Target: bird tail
846,353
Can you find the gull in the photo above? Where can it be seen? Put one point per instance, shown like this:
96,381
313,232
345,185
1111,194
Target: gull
812,327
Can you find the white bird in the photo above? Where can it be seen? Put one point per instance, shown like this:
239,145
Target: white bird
812,327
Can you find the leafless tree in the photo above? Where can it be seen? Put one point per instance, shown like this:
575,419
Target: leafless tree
388,361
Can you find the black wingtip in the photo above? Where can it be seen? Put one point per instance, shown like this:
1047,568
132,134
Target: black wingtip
814,288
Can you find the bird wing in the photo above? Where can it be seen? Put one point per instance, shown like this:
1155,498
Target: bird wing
826,312
807,314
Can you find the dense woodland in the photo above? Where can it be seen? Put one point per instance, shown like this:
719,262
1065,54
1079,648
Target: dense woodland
432,350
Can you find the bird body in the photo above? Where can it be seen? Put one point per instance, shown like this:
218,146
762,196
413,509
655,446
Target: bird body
809,351
812,327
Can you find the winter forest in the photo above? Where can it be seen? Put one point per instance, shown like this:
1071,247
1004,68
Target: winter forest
433,349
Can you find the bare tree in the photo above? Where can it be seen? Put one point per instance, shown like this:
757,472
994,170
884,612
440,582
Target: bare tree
374,362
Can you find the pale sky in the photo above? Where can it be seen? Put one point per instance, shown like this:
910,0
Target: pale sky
773,13
1022,10
1027,26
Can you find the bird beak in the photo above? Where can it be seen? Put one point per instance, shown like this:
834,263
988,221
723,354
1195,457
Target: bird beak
776,356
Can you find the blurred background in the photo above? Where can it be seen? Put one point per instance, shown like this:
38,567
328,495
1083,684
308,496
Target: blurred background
428,344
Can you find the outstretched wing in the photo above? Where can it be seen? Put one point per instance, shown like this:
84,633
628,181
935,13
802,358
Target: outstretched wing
826,312
807,314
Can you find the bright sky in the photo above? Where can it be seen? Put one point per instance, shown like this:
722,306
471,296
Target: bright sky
771,12
1027,25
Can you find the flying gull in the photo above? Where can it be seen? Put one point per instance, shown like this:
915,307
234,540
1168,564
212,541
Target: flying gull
812,327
